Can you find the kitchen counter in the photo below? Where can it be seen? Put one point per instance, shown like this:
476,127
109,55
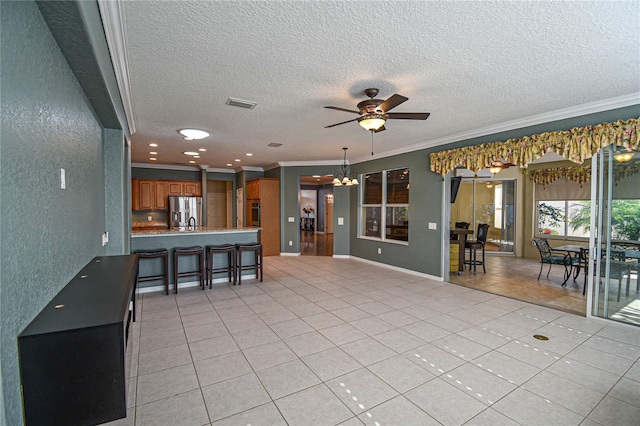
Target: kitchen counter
199,230
150,239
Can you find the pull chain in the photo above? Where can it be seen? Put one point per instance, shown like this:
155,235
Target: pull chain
371,142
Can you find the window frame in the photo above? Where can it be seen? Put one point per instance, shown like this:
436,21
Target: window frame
382,206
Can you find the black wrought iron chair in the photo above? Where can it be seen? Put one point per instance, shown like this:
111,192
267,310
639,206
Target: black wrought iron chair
475,245
549,256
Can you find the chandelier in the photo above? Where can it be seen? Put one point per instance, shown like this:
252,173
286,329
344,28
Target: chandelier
342,177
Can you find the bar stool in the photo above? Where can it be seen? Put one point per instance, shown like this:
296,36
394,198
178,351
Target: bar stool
179,252
230,250
256,248
475,245
155,254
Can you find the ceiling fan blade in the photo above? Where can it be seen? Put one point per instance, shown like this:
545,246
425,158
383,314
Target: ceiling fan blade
337,124
408,115
380,129
342,109
392,102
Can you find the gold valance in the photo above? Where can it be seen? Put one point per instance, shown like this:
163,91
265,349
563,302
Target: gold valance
577,145
580,174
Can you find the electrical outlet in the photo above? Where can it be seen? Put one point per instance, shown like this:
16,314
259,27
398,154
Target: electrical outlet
63,179
379,250
290,243
149,218
105,239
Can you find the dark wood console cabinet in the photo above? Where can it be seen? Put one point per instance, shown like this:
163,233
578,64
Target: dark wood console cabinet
74,356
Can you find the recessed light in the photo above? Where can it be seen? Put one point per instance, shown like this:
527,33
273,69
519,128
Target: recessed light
196,156
237,159
248,154
190,153
192,162
229,164
191,134
316,176
202,149
153,144
153,153
152,158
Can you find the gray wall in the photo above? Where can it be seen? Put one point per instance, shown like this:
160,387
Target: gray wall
49,122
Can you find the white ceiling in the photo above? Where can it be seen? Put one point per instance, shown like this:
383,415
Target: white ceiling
477,67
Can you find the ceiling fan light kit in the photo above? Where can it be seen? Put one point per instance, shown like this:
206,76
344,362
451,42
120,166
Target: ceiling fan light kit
372,121
623,156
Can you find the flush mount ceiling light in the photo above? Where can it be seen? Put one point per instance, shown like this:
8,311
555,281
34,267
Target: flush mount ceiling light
623,156
342,177
191,153
372,121
192,134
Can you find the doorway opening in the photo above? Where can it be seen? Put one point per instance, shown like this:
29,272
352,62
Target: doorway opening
316,215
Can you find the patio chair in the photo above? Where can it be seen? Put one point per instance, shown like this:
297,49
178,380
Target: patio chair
547,257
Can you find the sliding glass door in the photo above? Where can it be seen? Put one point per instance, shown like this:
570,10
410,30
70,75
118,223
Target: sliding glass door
615,247
488,201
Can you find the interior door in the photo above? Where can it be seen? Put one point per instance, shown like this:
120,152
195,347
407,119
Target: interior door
328,214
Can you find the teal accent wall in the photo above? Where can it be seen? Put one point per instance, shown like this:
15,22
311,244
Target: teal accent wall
50,121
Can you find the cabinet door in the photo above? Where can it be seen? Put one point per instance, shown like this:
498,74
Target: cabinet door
192,189
146,195
174,187
253,190
160,195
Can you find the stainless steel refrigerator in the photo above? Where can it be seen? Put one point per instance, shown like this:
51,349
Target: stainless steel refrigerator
185,212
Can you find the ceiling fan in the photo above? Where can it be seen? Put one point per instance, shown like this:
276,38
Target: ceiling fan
496,166
374,112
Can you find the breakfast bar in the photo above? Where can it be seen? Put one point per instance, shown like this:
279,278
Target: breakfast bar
171,238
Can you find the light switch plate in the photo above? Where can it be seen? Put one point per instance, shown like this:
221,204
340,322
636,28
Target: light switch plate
341,221
433,225
63,180
292,219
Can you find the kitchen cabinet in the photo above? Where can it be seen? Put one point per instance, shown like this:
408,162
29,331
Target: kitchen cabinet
151,194
266,192
75,356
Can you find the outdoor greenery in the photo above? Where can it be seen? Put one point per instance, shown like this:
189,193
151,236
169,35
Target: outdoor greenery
625,218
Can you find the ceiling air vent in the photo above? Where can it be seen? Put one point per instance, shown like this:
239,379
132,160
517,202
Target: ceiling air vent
241,103
275,145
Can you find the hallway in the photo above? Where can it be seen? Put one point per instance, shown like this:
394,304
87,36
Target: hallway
315,244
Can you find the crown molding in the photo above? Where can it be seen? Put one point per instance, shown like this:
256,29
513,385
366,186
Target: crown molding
165,166
561,114
311,163
111,12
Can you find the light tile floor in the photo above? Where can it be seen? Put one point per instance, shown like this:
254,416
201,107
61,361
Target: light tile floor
326,341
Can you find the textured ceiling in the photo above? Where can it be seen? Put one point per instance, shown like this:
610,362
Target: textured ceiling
472,65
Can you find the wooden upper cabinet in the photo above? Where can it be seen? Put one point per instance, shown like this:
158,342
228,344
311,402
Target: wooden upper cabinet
152,194
175,187
253,190
192,189
146,195
161,201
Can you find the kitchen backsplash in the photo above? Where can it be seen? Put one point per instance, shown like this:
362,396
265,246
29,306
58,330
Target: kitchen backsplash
156,216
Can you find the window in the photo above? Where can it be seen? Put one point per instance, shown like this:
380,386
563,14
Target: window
388,192
563,218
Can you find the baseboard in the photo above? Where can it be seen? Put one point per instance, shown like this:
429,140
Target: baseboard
289,254
189,284
341,256
396,268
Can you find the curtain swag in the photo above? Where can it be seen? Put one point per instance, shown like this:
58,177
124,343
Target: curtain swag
577,145
580,174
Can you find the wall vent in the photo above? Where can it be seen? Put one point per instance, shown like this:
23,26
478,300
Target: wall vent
275,145
241,103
